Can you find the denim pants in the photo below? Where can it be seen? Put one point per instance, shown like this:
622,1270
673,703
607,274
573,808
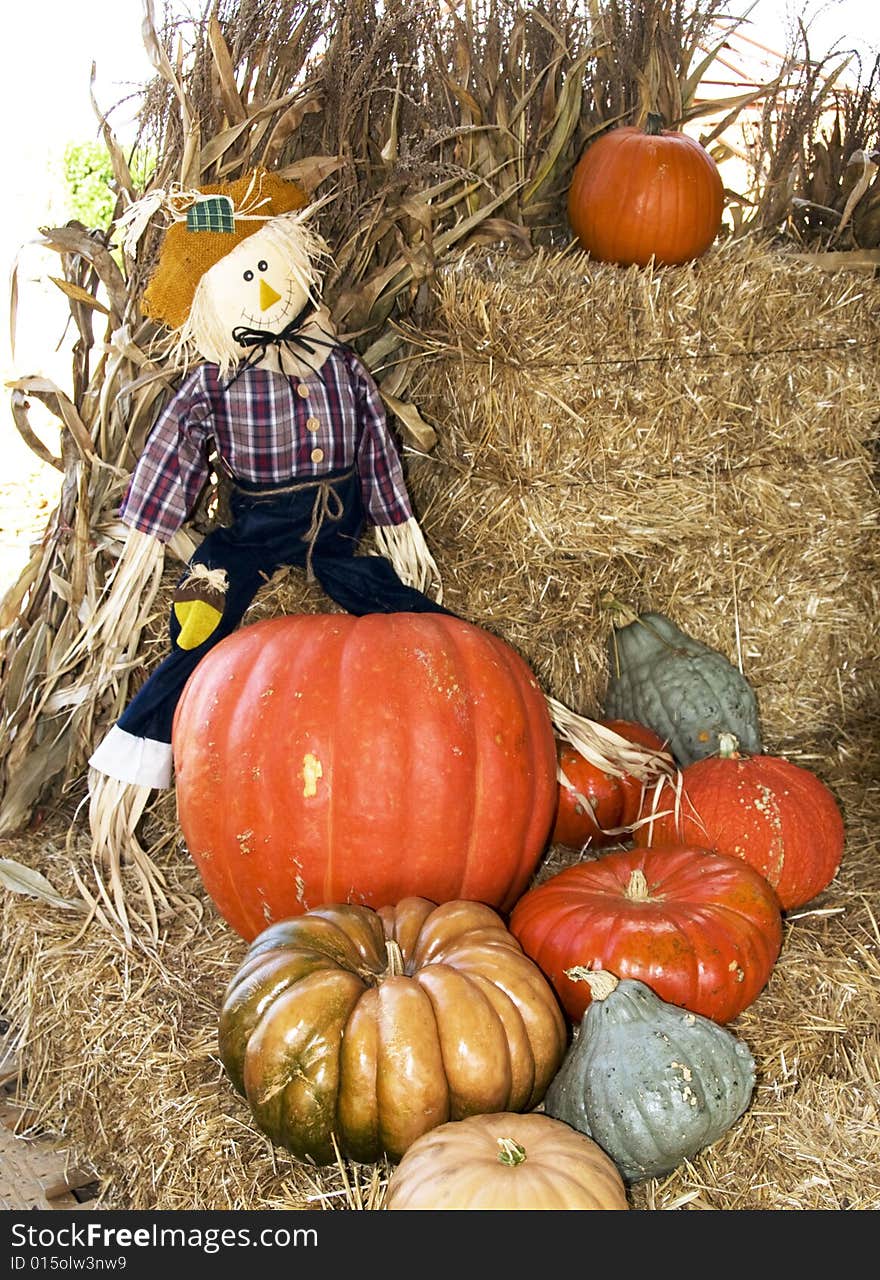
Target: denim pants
272,528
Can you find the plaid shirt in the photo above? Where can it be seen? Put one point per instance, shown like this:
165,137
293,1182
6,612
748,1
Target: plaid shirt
268,428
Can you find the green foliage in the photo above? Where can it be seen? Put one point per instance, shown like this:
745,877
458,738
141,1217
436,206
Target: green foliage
88,181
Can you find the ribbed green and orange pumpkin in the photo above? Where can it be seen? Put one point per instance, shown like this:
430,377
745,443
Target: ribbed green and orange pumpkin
374,1027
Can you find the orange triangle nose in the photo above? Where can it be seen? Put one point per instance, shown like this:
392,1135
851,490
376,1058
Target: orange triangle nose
268,296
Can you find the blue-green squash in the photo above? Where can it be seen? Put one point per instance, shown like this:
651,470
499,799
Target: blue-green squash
651,1083
685,691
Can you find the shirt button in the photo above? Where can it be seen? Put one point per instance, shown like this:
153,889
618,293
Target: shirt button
317,455
302,390
312,424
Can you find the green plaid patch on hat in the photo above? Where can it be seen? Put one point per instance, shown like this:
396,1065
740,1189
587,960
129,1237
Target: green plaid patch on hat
212,214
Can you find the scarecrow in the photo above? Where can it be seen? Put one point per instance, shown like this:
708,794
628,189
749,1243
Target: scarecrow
293,418
291,415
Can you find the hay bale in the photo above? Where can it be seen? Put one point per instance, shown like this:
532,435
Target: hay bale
696,441
119,1046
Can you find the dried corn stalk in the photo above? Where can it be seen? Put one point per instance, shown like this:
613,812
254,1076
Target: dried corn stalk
813,151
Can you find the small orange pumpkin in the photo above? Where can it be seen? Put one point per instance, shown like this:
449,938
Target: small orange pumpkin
595,806
589,800
768,811
638,194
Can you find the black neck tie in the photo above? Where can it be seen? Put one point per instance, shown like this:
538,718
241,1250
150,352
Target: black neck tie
259,340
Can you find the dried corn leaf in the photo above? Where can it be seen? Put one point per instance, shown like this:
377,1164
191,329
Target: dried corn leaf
697,72
311,171
78,294
13,305
415,431
74,241
31,771
26,667
866,177
566,117
33,884
843,259
11,602
61,405
287,124
221,142
121,172
21,419
232,102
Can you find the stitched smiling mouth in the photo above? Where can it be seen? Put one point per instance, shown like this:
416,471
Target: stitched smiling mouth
286,305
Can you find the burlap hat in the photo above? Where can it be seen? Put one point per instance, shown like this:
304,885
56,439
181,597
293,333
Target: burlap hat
191,247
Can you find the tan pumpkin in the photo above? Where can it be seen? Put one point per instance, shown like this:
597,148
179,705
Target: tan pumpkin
375,1026
506,1161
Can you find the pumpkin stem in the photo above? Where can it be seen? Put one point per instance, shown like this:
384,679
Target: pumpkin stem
395,958
601,981
637,889
728,746
510,1152
654,124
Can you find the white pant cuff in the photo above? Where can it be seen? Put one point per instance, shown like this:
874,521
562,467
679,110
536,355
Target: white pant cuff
143,761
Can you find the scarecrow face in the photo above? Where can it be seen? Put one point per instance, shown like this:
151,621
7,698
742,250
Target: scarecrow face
257,285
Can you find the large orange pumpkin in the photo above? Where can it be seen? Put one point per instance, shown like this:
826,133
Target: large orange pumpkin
330,758
641,193
701,929
773,813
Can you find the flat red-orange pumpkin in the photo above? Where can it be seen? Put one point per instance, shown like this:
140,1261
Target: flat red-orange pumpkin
777,816
641,193
701,929
329,758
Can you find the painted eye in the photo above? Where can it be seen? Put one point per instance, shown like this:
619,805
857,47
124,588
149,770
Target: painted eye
249,275
262,265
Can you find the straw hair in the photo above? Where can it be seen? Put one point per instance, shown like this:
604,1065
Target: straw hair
186,255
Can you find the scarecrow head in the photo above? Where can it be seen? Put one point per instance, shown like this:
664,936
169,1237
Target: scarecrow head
239,263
